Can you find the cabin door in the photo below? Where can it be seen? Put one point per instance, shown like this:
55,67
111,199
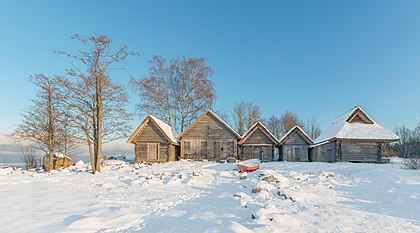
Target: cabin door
203,150
259,153
153,151
217,150
297,153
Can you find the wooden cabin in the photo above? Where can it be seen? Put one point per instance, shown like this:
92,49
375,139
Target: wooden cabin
294,145
155,141
353,137
208,137
258,143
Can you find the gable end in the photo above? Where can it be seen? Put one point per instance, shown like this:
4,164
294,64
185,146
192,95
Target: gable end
358,116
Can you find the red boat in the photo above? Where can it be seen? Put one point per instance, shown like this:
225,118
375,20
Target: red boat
249,165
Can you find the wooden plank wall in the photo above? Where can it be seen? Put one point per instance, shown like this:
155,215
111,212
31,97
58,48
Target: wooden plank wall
249,151
324,153
258,137
288,148
220,142
254,152
152,134
166,153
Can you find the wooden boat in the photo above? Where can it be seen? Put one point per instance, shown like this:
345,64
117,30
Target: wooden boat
249,165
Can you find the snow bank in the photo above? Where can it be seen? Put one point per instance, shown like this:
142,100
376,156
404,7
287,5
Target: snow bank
211,197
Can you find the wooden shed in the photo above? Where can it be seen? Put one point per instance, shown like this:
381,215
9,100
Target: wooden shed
155,141
208,137
258,142
354,137
294,145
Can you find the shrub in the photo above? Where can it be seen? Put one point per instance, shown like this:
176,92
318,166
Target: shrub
28,157
412,164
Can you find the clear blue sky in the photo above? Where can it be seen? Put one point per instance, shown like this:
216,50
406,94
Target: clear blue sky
315,58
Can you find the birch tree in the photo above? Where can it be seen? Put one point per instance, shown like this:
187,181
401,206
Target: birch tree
97,103
177,92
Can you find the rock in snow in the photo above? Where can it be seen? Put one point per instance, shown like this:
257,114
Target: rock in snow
80,163
262,186
269,178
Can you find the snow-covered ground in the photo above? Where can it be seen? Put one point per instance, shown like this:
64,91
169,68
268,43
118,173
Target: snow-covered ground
211,197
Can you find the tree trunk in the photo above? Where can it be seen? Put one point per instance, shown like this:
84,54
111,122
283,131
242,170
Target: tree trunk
92,159
99,116
50,131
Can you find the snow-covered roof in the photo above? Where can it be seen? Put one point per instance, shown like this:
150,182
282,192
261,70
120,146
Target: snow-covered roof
344,127
166,129
306,137
217,118
265,131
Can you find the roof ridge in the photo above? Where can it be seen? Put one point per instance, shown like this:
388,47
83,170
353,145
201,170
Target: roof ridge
292,129
264,127
343,114
226,125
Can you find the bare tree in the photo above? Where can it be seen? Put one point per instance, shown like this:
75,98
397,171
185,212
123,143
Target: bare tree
288,121
41,118
97,104
312,128
176,92
409,140
274,124
253,114
239,117
69,142
244,115
28,156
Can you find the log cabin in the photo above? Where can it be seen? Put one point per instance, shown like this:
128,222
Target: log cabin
210,138
154,141
294,145
259,143
353,137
